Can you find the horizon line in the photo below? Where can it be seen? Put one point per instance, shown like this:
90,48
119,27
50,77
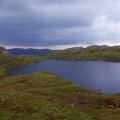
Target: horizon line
58,47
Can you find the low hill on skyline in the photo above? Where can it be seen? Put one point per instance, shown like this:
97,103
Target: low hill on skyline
30,51
90,53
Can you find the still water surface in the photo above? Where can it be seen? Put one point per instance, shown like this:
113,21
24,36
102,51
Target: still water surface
104,76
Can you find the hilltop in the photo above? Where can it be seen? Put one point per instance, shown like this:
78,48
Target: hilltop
30,51
93,53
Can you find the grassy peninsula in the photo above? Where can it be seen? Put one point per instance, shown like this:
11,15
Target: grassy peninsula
44,96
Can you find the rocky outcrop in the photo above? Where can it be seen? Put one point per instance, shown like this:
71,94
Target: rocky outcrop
3,51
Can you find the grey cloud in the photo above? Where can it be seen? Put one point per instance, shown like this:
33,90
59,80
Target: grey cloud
57,22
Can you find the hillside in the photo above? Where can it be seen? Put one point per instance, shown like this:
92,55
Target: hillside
20,51
44,96
7,61
95,53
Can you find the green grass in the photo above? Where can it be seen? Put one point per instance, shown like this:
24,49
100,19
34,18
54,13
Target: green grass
86,54
44,96
10,62
20,61
3,71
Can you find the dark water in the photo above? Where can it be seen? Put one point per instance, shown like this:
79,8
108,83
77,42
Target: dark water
104,76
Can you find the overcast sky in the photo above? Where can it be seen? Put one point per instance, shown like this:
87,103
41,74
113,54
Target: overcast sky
59,23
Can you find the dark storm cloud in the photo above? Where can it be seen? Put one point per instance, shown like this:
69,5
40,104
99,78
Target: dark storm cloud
55,1
58,22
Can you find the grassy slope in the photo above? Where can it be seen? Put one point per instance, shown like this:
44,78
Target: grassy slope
95,54
43,96
20,61
9,62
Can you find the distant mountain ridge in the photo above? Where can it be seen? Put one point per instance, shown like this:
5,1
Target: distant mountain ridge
30,51
66,52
